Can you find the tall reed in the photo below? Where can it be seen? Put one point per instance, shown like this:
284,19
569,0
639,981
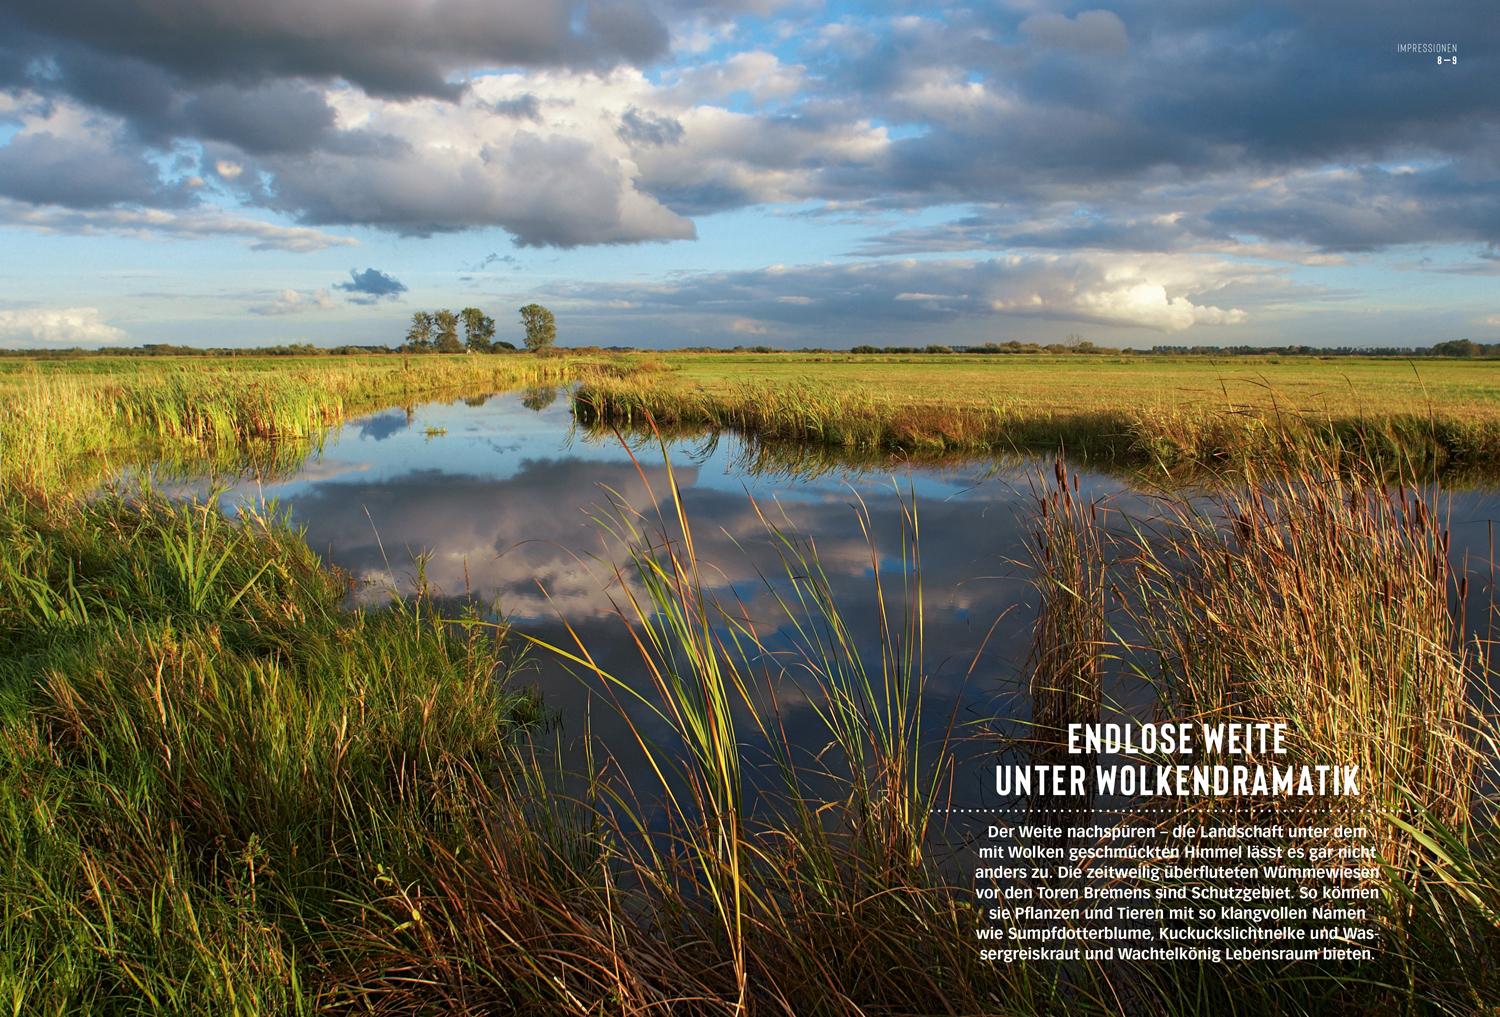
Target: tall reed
1068,639
1325,597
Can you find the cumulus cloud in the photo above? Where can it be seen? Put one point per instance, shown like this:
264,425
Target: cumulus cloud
371,286
63,155
430,166
759,75
415,119
63,326
296,302
727,159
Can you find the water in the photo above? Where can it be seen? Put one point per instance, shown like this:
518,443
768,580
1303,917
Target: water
500,500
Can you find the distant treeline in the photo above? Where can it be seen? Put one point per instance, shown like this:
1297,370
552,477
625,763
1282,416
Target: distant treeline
481,340
1450,348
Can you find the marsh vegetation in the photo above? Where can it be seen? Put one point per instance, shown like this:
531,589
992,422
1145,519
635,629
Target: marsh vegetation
1165,413
230,791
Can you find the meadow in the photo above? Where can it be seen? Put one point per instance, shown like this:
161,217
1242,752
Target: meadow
1169,411
226,792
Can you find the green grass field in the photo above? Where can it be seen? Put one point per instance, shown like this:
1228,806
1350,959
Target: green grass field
1340,386
1196,411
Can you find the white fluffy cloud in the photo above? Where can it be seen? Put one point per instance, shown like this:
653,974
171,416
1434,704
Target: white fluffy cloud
1112,291
613,158
559,177
760,75
63,326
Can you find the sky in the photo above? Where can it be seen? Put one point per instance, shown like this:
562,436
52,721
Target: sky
719,172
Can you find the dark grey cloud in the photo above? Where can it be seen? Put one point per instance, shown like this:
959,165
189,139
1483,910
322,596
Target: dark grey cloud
1330,210
1096,31
546,190
371,286
639,127
386,47
271,115
521,107
81,170
1104,110
1272,82
1369,208
277,116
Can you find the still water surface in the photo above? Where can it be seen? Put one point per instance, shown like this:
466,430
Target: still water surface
502,498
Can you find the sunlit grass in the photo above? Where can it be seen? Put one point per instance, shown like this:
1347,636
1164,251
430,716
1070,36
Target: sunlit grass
67,422
1155,411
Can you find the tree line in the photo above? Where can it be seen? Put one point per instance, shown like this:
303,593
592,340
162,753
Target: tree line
437,331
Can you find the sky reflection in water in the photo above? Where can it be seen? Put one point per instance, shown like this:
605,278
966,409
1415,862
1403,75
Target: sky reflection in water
503,499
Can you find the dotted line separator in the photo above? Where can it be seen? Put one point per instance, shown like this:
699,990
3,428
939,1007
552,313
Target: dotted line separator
999,810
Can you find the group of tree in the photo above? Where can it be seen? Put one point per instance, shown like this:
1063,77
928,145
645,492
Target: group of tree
437,331
1465,348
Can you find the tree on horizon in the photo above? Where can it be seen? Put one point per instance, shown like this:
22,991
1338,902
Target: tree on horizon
447,332
419,335
541,327
479,330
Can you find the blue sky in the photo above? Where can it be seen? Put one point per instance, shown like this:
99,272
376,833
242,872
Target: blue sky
666,172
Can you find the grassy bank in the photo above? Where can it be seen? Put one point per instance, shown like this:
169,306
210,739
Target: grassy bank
69,420
213,776
1187,411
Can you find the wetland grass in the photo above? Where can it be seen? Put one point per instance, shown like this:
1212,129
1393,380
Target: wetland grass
68,421
1162,414
1070,577
1323,596
1327,598
212,772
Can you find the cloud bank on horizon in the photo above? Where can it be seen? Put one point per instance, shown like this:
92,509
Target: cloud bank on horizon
670,171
